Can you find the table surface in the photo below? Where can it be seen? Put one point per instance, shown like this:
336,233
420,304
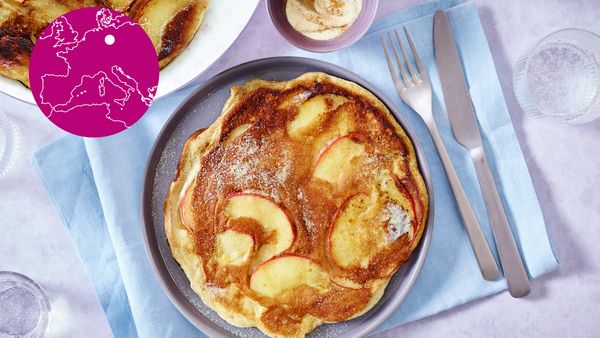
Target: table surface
563,161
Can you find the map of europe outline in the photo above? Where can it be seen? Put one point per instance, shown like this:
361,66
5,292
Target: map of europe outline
94,72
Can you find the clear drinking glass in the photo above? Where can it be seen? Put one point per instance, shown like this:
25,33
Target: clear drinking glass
559,77
9,143
24,306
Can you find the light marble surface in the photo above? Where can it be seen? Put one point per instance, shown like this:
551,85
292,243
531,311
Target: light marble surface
564,162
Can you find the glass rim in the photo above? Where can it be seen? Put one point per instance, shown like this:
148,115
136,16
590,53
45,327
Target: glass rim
9,133
535,48
25,282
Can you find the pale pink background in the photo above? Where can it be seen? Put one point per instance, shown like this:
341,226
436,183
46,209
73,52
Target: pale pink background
564,163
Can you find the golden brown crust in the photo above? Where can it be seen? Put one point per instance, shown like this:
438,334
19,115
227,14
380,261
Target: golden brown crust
20,23
207,171
171,25
178,32
15,48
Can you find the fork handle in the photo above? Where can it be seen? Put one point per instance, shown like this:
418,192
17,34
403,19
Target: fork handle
483,254
512,264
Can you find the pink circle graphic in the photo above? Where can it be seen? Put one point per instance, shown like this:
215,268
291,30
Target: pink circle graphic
94,72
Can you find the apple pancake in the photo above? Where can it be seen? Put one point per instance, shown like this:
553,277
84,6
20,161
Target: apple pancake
171,25
297,205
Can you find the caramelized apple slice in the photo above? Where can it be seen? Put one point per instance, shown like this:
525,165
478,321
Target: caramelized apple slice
346,283
355,235
365,224
399,211
233,247
236,132
171,25
274,222
120,5
311,111
333,161
185,212
185,197
281,274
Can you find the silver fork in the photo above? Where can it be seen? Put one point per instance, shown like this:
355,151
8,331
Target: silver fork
415,90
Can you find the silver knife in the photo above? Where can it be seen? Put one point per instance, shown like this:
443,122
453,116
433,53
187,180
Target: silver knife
466,131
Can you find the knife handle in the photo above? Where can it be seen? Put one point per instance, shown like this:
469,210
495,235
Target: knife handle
512,264
483,254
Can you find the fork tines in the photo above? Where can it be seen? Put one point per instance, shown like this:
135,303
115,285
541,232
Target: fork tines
414,77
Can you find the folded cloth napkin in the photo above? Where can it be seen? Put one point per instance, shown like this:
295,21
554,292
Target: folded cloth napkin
67,176
450,276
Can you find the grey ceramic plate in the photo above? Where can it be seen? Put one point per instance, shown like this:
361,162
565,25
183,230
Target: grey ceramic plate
199,110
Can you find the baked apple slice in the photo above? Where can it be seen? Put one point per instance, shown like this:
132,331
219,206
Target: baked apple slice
236,132
233,247
365,224
354,234
399,212
171,25
186,213
280,274
311,111
332,162
274,222
120,5
185,197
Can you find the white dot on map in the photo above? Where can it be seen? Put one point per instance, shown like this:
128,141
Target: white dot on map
109,39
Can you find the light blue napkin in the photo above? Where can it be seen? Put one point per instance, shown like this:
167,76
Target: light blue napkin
67,175
450,276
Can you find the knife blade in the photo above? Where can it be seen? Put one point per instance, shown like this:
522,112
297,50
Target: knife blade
464,126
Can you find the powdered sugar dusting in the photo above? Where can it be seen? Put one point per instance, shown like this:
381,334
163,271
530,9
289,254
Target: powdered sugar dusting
398,222
241,167
308,223
216,290
300,97
252,165
284,172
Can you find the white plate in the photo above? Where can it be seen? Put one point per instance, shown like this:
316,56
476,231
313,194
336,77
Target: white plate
222,24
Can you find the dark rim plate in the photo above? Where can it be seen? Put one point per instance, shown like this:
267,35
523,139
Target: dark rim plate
200,110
